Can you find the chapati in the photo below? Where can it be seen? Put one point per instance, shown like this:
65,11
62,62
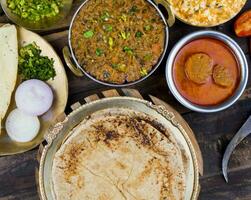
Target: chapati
8,66
117,154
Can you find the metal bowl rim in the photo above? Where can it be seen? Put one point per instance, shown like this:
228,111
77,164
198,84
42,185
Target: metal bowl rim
44,149
130,83
240,57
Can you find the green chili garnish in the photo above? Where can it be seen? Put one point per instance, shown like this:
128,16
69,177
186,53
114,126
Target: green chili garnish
110,42
88,34
125,35
128,50
148,27
35,10
143,72
105,16
108,28
99,52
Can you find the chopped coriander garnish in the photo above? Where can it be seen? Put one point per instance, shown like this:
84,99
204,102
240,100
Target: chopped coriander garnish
148,57
138,34
99,52
119,67
105,16
133,9
88,34
114,66
128,50
32,65
35,10
108,27
148,27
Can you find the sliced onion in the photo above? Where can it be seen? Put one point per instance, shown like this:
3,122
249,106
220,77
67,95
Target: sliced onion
34,97
22,127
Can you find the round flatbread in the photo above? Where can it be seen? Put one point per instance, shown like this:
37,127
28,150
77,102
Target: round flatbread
119,154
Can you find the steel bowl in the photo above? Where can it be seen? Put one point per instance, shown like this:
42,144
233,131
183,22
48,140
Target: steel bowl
45,24
78,70
240,57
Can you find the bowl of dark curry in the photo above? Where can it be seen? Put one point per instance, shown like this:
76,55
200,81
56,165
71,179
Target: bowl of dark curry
117,43
207,71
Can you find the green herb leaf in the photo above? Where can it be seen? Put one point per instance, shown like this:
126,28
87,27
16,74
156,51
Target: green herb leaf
108,27
105,16
99,52
114,66
133,9
35,10
148,27
148,57
128,50
32,65
88,34
138,34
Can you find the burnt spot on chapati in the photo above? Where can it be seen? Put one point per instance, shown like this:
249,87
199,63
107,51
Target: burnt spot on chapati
72,160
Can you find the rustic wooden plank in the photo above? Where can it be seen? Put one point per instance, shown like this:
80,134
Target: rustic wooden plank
91,98
132,93
214,188
214,132
75,106
111,93
17,177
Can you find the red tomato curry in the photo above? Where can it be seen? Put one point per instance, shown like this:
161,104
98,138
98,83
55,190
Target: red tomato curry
207,93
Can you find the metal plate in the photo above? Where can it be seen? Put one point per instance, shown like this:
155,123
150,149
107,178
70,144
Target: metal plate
60,89
60,131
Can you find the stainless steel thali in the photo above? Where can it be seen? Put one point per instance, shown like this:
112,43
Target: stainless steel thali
57,134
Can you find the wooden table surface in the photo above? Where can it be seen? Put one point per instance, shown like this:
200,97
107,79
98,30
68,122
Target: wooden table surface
213,131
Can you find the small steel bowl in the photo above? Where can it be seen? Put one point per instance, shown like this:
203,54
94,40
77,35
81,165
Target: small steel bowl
240,57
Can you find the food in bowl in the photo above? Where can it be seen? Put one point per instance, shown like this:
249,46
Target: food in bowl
118,153
206,12
222,76
34,10
198,67
118,41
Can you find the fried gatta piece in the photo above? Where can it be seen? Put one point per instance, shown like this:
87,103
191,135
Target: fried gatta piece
222,76
198,68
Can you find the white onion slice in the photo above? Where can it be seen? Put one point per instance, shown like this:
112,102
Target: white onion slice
34,97
22,127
